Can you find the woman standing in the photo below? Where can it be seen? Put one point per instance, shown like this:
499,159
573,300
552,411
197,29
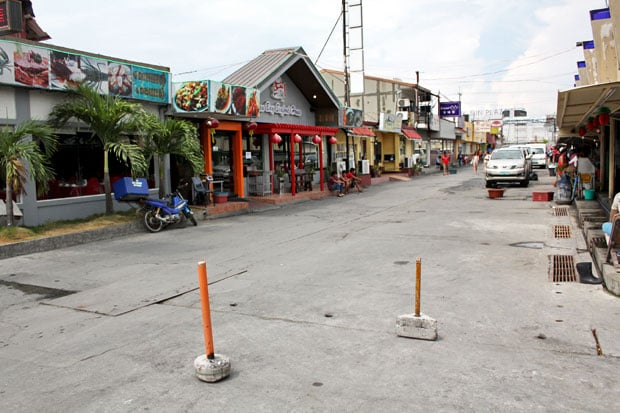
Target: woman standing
475,160
445,160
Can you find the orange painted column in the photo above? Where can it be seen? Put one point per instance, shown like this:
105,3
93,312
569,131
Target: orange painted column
418,281
206,309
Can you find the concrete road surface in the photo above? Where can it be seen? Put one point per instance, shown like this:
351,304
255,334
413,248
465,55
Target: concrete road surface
304,302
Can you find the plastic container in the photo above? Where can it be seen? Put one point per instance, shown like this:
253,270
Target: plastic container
588,194
220,197
127,189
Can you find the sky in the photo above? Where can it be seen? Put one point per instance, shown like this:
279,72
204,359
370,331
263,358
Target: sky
489,54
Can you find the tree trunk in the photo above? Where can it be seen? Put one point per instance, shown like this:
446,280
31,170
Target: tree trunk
109,206
10,220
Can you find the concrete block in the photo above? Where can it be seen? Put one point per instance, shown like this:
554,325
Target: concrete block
212,370
422,327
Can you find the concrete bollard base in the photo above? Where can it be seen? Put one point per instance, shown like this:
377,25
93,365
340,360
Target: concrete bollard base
212,370
422,327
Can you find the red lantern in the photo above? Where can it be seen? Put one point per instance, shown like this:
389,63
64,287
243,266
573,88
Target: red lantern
590,124
316,139
212,123
297,138
275,138
603,119
333,140
582,131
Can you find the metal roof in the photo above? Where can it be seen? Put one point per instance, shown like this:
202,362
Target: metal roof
576,105
260,72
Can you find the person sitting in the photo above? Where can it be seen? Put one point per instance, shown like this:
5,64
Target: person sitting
615,206
353,180
335,184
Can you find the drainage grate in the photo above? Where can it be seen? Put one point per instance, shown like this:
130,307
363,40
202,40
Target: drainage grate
561,231
598,242
562,268
560,212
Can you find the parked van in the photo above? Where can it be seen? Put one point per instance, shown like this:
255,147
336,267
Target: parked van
539,154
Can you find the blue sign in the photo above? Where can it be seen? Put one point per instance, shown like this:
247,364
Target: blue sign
449,109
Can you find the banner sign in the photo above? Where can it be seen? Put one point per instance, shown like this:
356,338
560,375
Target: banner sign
449,109
10,17
217,97
40,67
351,117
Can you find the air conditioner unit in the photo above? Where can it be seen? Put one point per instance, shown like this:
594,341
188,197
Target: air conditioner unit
405,115
403,103
341,167
365,166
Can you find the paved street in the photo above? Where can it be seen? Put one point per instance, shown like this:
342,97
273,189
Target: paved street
304,302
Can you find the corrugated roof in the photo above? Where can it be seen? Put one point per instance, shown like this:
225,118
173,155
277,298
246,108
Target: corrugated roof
257,70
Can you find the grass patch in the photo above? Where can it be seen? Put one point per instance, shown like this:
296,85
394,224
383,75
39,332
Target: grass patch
17,234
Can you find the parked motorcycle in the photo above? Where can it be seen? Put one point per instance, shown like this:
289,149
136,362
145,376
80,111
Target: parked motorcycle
159,213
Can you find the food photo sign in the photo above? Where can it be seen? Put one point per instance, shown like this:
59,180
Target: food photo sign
215,97
39,67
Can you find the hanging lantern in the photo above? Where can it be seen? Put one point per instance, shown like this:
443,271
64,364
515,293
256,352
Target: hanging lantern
250,127
590,124
582,131
275,138
297,138
333,140
212,123
603,115
316,139
595,122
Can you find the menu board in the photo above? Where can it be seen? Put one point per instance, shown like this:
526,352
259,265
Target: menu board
216,97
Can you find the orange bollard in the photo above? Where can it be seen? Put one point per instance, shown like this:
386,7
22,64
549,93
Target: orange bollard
418,281
206,309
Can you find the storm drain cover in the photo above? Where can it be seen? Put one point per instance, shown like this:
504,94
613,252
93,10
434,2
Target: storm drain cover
598,242
560,212
562,268
561,231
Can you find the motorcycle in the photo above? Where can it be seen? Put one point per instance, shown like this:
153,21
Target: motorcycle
159,213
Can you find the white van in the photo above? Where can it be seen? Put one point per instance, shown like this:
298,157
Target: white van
539,154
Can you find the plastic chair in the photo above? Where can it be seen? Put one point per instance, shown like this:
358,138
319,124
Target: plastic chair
200,193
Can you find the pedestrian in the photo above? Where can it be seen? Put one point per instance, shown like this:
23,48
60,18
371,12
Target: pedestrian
475,160
445,161
486,160
335,184
354,180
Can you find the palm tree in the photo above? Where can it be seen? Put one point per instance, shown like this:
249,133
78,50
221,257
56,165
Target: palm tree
21,158
111,120
175,137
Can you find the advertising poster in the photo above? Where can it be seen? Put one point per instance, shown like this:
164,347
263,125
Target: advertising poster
40,67
192,96
149,84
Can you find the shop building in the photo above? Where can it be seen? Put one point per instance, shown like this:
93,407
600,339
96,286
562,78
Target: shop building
276,113
34,78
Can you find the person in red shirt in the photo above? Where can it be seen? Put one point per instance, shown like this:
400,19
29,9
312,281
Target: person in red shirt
354,180
445,160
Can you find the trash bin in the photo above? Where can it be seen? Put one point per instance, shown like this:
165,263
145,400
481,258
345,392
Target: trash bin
552,170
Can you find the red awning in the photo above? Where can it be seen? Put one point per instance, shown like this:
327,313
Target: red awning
362,132
411,134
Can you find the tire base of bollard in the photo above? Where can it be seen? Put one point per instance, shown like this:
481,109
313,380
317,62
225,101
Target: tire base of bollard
212,370
421,327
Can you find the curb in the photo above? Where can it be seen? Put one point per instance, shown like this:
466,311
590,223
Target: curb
68,240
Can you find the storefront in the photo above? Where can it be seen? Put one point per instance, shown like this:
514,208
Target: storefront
37,80
282,121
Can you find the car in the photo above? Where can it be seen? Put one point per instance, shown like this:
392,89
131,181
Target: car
539,155
507,165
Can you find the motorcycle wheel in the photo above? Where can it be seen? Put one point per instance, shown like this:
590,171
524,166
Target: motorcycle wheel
151,222
190,216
